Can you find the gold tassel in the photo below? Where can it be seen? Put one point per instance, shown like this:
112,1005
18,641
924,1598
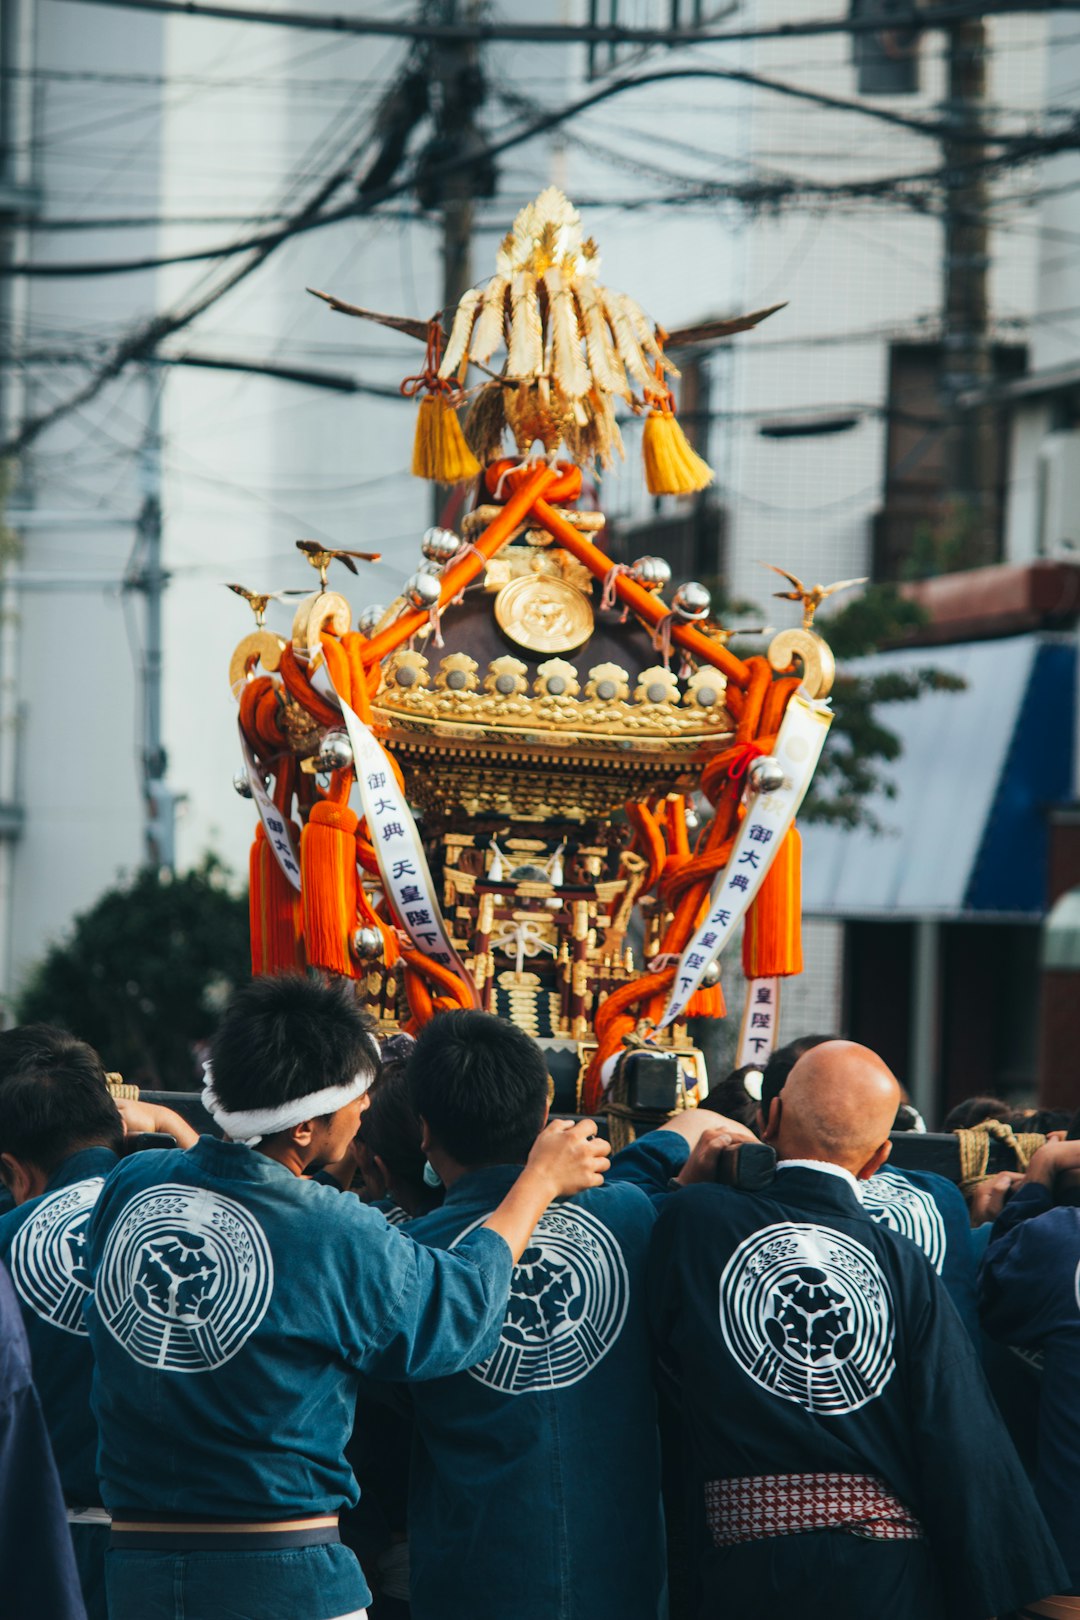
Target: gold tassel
772,938
440,453
672,465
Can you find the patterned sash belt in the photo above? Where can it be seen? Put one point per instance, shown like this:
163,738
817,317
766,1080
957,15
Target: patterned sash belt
760,1506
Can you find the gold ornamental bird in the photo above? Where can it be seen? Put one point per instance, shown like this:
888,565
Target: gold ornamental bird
812,597
258,601
320,557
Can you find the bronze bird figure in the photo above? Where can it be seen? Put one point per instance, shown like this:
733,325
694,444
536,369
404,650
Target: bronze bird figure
320,557
258,600
811,597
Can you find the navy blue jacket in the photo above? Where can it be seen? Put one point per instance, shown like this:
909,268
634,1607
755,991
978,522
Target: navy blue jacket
43,1244
806,1338
1028,1297
535,1485
37,1566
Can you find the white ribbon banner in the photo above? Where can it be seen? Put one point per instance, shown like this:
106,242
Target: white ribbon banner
761,832
406,878
760,1023
275,825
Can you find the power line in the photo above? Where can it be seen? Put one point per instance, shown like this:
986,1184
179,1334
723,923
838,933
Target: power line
917,21
1022,146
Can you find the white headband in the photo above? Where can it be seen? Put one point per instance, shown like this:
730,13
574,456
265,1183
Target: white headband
252,1124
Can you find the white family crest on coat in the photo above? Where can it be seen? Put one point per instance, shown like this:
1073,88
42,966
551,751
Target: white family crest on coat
185,1278
48,1256
908,1209
568,1301
806,1313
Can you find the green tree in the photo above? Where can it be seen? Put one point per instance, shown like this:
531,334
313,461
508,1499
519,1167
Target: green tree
145,973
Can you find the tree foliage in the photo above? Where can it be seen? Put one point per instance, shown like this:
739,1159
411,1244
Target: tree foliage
145,973
860,741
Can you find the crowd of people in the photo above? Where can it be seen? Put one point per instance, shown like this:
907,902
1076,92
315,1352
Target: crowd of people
392,1343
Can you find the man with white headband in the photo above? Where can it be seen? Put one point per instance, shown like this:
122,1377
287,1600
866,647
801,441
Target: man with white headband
237,1302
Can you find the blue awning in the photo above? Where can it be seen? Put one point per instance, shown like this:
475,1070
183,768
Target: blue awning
965,831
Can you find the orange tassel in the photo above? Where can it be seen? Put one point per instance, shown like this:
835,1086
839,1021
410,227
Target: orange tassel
708,1003
328,875
772,938
274,910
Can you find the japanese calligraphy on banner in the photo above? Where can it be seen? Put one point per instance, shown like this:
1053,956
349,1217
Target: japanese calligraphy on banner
760,1022
798,749
402,865
274,823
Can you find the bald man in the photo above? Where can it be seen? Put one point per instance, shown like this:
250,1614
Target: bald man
842,1456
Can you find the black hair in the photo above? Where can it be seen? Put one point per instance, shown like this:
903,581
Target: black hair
482,1086
732,1099
286,1036
390,1127
54,1097
973,1110
780,1065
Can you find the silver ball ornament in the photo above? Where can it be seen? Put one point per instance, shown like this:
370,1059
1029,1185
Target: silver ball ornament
651,572
369,619
335,752
766,775
241,782
366,943
692,601
440,545
422,591
710,976
693,820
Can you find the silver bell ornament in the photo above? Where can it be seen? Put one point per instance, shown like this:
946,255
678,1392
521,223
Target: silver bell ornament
692,601
440,545
335,752
766,775
242,783
651,572
422,591
367,943
710,976
369,619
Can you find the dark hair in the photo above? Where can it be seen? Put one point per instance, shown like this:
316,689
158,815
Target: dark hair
732,1099
482,1086
973,1110
287,1036
780,1065
54,1098
390,1126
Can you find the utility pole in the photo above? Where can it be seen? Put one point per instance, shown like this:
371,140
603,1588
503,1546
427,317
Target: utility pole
459,89
148,577
968,360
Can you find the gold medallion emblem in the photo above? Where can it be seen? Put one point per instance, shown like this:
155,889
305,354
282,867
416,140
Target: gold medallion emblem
544,614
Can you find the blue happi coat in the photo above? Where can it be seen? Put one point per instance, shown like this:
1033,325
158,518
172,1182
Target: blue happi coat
535,1485
235,1307
1028,1297
43,1245
802,1337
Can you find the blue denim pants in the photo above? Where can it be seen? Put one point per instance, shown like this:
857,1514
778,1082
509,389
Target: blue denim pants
296,1583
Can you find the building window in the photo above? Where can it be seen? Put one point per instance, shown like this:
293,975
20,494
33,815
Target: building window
672,14
886,59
